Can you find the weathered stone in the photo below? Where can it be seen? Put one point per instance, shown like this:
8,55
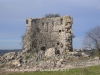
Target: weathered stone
59,63
50,52
9,56
16,63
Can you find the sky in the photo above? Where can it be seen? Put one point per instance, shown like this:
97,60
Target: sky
13,15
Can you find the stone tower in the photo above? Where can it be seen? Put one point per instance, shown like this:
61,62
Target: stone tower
44,33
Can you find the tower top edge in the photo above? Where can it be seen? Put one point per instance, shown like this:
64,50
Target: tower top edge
67,16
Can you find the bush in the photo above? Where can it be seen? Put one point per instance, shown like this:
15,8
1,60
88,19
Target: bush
51,15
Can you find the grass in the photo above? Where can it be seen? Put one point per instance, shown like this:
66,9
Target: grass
93,70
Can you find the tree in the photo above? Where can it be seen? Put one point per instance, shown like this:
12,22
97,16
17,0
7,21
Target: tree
51,15
92,39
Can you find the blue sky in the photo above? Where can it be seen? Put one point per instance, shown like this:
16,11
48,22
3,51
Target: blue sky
13,15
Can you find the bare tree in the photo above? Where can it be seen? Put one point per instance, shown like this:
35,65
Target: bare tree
92,39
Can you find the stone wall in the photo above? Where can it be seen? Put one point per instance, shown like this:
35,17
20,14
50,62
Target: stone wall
45,33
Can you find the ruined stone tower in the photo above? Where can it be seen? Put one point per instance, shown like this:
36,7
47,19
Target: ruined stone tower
44,33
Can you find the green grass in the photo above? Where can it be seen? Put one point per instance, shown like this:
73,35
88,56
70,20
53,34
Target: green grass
94,70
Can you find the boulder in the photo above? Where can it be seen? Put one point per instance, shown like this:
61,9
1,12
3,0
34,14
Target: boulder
50,52
9,56
85,55
60,62
16,63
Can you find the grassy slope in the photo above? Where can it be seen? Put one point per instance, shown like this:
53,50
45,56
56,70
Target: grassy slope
94,70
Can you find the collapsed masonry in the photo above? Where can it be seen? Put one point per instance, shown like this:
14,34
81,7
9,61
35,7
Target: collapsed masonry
44,33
